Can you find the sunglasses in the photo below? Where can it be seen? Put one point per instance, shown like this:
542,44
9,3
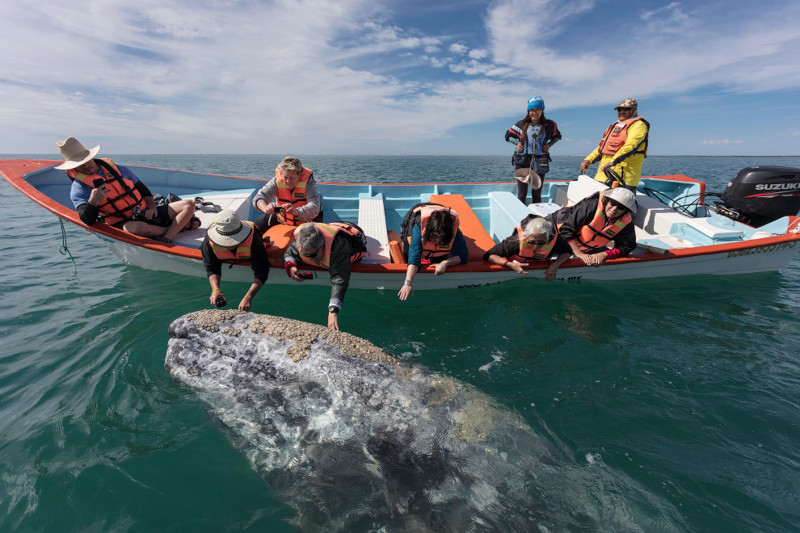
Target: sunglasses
616,204
537,243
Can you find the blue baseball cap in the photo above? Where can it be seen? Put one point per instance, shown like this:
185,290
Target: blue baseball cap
536,102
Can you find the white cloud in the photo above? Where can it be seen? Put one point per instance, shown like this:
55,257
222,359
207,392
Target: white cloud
327,76
721,141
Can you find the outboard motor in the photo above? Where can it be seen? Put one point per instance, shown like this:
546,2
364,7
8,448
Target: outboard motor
758,195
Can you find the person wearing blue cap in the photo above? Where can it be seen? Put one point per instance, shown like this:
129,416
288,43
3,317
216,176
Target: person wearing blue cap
533,136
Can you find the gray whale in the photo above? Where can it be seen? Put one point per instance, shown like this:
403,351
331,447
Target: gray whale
354,440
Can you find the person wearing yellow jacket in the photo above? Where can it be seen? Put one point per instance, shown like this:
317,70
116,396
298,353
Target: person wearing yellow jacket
622,149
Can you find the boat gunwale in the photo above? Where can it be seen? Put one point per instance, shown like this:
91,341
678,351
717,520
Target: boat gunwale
14,173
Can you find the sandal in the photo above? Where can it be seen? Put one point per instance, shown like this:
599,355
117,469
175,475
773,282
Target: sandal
162,240
194,223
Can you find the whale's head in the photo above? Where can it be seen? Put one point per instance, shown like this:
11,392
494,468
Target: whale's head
354,439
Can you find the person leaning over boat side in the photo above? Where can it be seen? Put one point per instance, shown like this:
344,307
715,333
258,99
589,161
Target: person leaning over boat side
592,223
622,149
334,246
533,136
535,239
231,240
103,190
291,197
430,234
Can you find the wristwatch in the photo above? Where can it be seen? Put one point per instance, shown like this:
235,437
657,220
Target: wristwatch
406,282
333,309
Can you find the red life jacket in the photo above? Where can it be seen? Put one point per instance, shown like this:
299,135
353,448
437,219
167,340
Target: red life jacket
431,250
526,251
329,232
616,135
122,198
243,250
295,197
596,234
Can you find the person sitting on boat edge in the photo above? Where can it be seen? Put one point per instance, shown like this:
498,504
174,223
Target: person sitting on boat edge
102,190
622,149
589,225
291,197
535,239
533,136
232,240
334,246
430,235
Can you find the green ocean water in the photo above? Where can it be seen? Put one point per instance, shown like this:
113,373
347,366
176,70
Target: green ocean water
689,386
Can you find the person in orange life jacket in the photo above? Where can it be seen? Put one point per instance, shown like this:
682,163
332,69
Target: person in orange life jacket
441,243
535,239
121,200
334,246
533,136
590,224
231,239
622,149
291,197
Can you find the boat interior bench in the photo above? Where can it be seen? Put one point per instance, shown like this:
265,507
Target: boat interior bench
372,219
505,214
658,220
478,239
237,201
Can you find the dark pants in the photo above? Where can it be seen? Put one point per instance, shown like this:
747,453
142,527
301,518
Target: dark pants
522,192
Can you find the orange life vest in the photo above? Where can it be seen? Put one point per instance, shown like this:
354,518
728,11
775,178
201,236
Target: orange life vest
295,197
616,135
122,199
431,250
243,250
597,233
329,232
526,251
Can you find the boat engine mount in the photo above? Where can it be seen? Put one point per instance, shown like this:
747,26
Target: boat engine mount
760,194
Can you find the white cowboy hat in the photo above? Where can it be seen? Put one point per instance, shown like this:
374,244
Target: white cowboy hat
622,196
527,175
74,153
228,230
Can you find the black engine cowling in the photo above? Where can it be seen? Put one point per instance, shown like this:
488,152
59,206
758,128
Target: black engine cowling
762,194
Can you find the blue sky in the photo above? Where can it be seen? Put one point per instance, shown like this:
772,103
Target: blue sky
395,77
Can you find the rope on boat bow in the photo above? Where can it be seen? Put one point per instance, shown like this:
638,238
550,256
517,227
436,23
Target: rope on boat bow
63,248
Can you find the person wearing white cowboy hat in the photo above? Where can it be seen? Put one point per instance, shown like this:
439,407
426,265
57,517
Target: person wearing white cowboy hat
233,240
591,225
103,190
622,148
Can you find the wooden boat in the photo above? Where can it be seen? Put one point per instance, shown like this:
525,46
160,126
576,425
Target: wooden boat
676,233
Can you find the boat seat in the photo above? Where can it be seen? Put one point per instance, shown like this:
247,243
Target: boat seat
505,214
543,209
581,188
372,219
478,239
237,201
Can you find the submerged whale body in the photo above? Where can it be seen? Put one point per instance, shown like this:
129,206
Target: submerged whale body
355,440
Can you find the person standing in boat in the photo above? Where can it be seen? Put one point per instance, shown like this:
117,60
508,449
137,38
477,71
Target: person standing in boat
291,197
591,224
622,149
102,190
335,247
231,240
535,239
430,235
533,137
